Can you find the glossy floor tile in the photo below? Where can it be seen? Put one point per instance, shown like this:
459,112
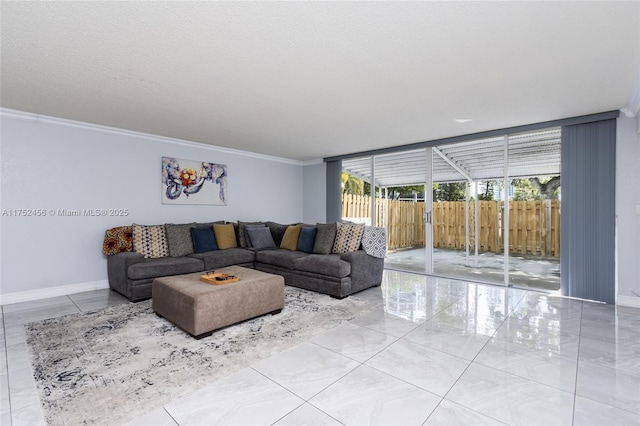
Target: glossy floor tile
306,369
512,399
368,396
434,351
620,356
245,397
426,368
449,413
387,323
544,367
592,413
355,342
609,386
307,415
454,341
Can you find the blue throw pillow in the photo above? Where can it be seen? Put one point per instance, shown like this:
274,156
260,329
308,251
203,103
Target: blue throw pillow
203,239
306,239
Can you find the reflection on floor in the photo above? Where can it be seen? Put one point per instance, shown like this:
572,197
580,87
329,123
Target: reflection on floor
530,271
436,351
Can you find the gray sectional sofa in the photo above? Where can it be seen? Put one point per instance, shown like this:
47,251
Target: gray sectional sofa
337,275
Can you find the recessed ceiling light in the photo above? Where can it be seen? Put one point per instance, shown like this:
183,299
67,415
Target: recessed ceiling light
463,120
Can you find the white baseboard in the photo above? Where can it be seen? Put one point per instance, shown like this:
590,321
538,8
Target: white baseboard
628,301
63,290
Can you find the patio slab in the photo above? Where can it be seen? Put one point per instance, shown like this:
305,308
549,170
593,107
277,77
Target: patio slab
534,272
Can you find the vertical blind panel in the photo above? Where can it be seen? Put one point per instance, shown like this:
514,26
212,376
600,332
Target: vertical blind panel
334,191
588,211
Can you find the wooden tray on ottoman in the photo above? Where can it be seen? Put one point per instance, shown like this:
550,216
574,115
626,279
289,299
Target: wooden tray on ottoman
219,278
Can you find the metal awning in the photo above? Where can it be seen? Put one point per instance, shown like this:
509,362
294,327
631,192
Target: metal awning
530,154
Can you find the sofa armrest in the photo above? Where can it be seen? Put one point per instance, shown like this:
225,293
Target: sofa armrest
117,266
366,270
125,259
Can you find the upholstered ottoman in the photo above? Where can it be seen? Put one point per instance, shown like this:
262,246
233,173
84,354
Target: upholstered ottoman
200,308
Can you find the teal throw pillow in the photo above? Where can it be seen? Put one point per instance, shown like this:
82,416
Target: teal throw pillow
307,239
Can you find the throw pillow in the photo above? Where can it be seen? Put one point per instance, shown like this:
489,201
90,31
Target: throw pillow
179,239
225,236
307,238
325,237
290,238
203,239
150,241
277,231
348,237
242,232
206,224
374,241
246,233
117,240
260,237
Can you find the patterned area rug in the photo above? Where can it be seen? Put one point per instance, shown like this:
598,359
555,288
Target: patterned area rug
115,364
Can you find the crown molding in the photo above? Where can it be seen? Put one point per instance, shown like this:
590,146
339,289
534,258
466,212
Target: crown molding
313,162
632,107
39,118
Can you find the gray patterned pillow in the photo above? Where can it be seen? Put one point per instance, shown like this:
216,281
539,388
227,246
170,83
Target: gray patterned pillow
374,241
246,233
179,238
242,232
260,237
325,238
150,241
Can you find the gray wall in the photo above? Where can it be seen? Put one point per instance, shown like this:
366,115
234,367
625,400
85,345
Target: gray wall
48,165
334,191
315,193
628,220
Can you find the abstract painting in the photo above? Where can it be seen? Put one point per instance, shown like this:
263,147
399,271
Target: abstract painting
193,182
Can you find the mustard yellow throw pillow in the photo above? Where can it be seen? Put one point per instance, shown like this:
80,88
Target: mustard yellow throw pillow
290,238
225,236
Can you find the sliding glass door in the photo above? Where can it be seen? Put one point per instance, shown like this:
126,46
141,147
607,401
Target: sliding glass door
481,210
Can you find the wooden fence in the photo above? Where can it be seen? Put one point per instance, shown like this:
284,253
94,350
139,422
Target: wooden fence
534,226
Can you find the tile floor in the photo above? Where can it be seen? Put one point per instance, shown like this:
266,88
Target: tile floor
437,352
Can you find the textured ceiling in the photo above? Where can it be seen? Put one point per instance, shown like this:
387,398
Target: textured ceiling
306,80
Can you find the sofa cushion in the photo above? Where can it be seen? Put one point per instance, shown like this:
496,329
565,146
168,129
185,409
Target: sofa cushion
348,237
307,238
242,232
325,237
260,238
118,240
290,239
203,240
221,258
279,257
153,268
179,239
225,236
150,241
324,264
207,224
277,231
246,233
